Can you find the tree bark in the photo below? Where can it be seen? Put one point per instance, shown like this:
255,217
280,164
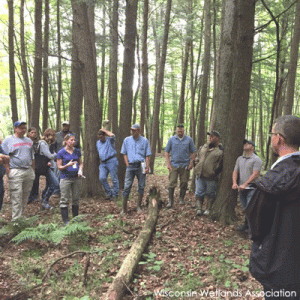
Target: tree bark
103,57
76,95
293,64
160,80
127,81
183,80
37,75
118,287
145,82
24,61
59,86
206,71
235,69
45,67
83,40
113,74
12,76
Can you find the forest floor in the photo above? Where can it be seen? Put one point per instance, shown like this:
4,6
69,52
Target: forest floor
187,256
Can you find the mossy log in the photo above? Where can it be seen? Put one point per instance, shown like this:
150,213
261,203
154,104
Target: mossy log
120,284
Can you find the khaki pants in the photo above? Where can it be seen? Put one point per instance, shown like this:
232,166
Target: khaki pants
70,189
20,184
184,176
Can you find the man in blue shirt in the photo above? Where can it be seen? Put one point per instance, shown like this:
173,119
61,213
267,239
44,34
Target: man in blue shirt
136,150
183,153
109,163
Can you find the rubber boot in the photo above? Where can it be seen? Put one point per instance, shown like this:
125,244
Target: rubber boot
199,203
244,226
171,198
75,209
138,203
124,205
181,196
209,205
64,214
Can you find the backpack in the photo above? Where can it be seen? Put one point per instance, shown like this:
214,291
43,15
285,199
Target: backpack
41,161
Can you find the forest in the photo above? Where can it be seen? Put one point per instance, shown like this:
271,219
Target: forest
225,65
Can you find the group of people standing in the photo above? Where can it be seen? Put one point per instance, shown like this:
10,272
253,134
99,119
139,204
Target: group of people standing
26,158
271,203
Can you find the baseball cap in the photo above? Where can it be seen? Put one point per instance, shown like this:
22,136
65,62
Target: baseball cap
65,123
180,125
19,123
135,126
249,142
214,133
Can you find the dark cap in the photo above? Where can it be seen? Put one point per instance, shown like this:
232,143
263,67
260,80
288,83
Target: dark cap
135,127
248,142
19,123
180,126
214,133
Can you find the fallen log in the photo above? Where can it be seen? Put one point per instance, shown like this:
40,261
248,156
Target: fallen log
120,284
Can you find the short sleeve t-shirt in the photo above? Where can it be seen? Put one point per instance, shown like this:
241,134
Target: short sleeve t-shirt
72,171
20,150
246,165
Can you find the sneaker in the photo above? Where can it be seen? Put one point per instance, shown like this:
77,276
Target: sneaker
46,205
199,212
206,213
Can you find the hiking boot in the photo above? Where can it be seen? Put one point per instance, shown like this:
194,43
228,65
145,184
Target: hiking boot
171,198
46,205
199,203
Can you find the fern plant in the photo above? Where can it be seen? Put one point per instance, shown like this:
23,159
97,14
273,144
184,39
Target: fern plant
76,230
17,226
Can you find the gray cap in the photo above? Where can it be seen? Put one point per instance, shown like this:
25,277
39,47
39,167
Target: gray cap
135,126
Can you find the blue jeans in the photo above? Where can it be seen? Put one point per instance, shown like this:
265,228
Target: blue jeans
34,194
206,187
131,171
1,192
52,184
245,196
110,167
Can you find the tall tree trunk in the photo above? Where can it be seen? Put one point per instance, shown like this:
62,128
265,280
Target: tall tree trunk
127,81
37,74
103,56
45,67
113,73
83,40
59,86
76,96
136,94
206,71
12,76
24,61
235,68
183,80
293,63
160,80
145,82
